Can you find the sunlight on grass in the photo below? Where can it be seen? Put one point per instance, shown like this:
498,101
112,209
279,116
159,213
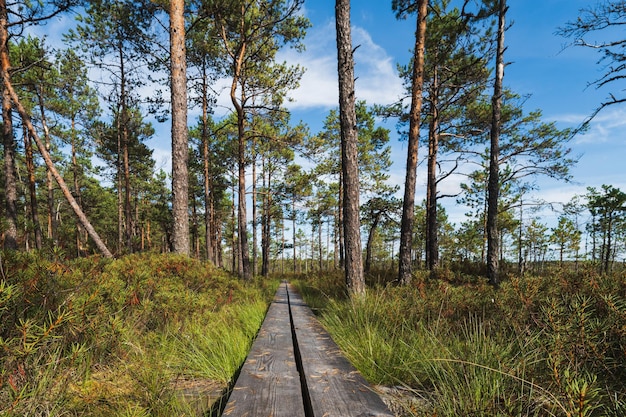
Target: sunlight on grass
217,350
125,337
531,349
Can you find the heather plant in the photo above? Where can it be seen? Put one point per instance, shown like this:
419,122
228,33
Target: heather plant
95,337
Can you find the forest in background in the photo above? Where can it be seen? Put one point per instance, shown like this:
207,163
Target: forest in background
258,173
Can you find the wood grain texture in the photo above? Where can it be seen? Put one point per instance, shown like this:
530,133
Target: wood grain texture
269,382
334,386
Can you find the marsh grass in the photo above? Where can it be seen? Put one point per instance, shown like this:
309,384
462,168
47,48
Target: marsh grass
541,346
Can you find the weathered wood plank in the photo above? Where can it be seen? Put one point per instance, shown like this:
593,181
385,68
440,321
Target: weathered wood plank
269,382
335,387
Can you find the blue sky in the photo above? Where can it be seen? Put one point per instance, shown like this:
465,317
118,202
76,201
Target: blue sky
539,65
556,78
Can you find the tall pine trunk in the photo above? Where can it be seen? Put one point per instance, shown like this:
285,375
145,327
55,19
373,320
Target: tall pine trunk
49,180
32,189
408,206
180,151
245,270
254,211
10,176
355,280
493,238
432,238
207,180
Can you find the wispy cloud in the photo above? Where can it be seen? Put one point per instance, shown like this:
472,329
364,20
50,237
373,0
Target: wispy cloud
376,77
607,126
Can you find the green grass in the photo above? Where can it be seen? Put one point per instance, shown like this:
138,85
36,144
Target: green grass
93,337
542,346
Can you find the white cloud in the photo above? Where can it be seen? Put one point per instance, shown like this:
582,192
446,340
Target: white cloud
376,78
607,126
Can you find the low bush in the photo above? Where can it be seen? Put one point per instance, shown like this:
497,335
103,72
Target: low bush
95,337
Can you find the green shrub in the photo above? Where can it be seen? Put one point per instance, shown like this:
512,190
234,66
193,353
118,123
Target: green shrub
97,337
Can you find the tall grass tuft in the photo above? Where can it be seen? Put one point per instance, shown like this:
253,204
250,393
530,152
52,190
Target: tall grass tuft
217,348
539,346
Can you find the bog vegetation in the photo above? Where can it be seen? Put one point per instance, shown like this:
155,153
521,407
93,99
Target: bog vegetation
162,335
146,335
543,345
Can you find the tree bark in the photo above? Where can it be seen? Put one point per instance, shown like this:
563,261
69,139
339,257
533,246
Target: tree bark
408,206
10,177
32,189
49,180
254,211
180,151
355,280
432,241
208,192
293,225
266,224
370,242
493,240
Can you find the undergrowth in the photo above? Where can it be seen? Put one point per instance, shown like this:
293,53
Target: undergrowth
538,346
95,337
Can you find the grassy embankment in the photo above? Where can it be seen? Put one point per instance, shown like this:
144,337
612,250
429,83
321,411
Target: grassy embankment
145,335
539,346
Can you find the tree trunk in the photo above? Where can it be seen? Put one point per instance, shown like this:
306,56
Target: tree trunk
128,213
49,180
340,225
245,271
77,193
208,192
493,241
180,151
265,225
319,244
432,241
254,211
408,206
242,214
32,188
355,280
370,243
293,209
120,200
10,177
608,249
234,249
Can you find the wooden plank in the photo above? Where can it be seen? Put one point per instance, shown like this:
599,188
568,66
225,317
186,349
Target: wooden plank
335,387
269,382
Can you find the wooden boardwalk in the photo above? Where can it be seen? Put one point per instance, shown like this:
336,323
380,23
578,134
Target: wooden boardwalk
294,369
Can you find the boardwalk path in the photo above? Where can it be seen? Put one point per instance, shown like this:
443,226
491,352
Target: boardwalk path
294,369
